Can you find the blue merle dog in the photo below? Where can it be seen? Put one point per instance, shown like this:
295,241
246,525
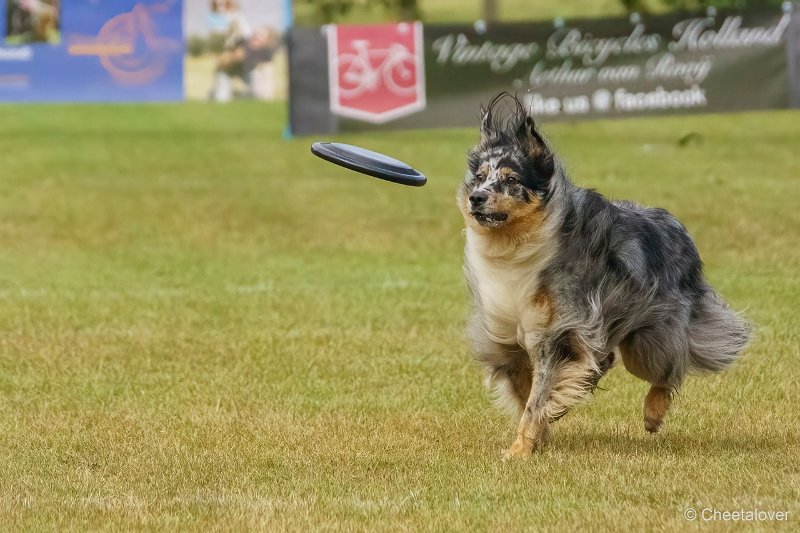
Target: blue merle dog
564,279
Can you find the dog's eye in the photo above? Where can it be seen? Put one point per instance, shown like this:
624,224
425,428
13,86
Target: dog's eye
513,179
479,176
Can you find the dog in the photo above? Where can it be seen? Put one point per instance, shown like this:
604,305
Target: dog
564,280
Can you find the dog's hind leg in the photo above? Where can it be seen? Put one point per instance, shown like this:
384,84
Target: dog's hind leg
656,405
564,373
649,356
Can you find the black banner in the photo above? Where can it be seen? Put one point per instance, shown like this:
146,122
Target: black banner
341,79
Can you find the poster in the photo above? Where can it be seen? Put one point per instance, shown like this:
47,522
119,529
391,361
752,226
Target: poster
235,49
91,50
376,73
579,69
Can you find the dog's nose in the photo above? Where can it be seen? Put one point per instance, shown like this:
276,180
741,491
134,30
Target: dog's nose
478,198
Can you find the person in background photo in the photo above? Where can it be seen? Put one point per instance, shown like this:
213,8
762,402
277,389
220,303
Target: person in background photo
247,54
217,19
32,21
227,20
259,63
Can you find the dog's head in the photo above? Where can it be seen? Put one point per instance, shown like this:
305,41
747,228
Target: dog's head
508,181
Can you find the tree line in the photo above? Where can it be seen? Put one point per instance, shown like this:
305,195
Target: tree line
327,11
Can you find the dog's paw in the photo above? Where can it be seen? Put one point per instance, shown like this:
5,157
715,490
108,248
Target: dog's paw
520,449
652,425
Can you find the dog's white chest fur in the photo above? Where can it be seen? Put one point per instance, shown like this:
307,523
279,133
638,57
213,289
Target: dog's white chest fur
505,284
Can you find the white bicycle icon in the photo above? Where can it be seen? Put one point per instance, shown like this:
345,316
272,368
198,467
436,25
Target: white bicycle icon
363,71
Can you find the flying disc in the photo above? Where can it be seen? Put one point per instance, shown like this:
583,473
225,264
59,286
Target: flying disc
368,162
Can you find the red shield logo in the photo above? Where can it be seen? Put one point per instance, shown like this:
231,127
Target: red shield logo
376,73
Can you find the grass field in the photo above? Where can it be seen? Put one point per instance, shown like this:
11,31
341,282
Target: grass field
204,327
471,10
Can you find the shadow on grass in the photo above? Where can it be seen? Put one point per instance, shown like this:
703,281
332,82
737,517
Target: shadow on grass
674,442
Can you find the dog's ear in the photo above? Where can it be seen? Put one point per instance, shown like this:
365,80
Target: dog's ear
530,138
486,121
540,156
491,125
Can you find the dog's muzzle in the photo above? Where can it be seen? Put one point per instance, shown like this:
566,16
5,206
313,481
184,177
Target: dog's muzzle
489,219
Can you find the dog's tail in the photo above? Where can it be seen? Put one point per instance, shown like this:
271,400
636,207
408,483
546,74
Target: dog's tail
717,334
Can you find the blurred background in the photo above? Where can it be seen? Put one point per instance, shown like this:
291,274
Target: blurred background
360,11
202,326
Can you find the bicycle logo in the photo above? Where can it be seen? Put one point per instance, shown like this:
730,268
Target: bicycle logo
367,68
376,73
129,46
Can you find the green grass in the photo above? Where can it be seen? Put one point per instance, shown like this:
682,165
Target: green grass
471,10
204,327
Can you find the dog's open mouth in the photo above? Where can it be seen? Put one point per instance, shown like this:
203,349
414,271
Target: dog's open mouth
489,219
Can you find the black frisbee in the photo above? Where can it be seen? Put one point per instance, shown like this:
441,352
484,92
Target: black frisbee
368,162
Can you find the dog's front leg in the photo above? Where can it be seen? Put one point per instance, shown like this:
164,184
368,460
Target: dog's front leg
563,374
533,426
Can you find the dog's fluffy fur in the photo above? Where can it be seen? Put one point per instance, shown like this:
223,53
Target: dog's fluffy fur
563,279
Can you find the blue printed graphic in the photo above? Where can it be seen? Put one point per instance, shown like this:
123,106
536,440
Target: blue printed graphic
91,50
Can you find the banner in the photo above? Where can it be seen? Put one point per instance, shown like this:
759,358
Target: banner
573,70
376,73
235,49
91,50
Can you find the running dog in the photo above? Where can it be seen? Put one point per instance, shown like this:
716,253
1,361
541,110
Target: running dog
564,279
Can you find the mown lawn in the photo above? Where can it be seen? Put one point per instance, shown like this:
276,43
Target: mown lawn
305,11
204,327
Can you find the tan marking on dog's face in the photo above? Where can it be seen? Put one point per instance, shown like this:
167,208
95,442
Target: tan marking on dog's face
505,172
524,218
